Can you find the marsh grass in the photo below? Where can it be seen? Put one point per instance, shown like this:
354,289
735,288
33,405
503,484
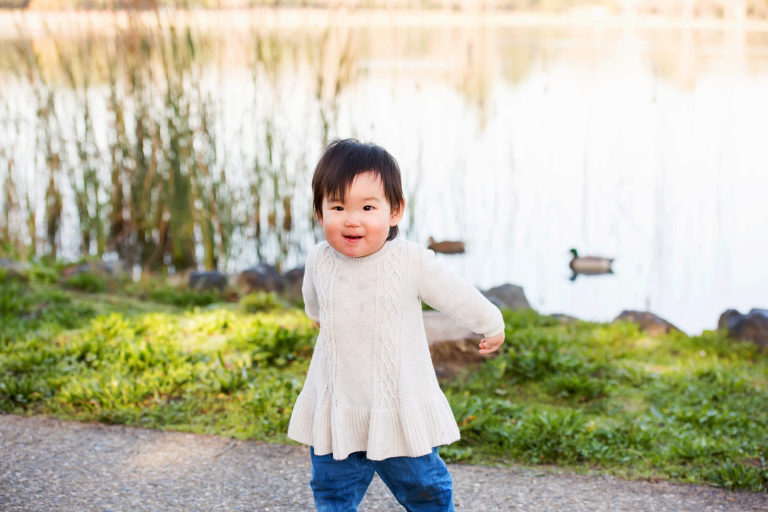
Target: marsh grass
129,142
592,397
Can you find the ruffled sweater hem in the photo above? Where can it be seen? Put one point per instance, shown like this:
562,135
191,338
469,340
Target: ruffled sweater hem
410,431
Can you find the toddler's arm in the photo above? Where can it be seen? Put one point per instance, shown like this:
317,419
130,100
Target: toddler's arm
447,292
311,305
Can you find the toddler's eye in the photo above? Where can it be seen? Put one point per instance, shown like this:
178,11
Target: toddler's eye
367,208
337,208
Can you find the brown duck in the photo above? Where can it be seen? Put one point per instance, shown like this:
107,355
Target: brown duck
446,247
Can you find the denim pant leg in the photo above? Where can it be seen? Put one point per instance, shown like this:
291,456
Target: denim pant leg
420,484
339,485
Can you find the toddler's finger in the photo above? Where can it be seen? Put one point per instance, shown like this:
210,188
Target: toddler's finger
487,346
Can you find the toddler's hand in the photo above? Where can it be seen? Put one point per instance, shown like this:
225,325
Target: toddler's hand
491,344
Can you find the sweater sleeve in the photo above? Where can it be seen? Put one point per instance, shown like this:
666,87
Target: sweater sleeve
311,305
448,293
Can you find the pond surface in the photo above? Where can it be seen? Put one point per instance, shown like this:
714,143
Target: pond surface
647,145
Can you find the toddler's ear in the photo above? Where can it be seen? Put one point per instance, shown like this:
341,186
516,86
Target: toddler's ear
319,217
397,214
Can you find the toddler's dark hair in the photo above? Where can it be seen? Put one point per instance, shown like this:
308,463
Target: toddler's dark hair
346,158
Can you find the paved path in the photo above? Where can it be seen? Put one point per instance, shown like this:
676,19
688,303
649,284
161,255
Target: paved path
52,465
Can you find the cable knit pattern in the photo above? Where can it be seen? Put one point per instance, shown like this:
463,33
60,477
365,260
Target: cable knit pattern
388,320
371,385
324,270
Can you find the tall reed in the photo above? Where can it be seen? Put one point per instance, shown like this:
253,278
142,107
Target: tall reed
48,157
129,143
9,199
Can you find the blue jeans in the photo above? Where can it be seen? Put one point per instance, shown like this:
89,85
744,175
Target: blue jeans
420,484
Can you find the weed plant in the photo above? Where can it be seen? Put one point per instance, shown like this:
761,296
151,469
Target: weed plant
609,397
87,282
260,301
167,294
584,395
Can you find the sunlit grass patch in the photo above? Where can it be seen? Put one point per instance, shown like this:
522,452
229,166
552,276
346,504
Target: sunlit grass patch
191,369
585,395
646,343
261,301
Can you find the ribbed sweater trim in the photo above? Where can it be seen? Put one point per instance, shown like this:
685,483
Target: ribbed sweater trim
364,260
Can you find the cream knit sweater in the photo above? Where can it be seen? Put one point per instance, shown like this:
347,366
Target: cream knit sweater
371,385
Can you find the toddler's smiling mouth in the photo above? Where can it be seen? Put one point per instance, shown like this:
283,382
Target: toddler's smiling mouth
352,238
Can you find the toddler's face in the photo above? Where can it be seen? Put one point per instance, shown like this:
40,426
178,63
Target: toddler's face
359,225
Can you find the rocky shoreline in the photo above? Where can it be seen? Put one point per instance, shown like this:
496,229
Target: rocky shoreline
752,326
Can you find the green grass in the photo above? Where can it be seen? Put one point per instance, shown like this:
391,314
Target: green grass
596,396
583,395
91,357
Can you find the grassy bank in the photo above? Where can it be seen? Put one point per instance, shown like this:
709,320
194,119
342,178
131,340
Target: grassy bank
582,395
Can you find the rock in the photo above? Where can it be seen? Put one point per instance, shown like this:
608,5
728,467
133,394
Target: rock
207,280
14,269
563,318
292,281
451,346
82,268
751,327
115,268
649,323
262,277
99,268
509,296
12,265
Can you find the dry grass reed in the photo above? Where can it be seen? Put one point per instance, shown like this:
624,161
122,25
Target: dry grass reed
128,146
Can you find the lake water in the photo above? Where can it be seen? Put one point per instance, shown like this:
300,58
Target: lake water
645,144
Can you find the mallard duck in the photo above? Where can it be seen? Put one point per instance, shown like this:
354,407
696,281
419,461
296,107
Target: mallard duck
589,265
446,247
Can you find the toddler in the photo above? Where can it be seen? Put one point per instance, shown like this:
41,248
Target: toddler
371,401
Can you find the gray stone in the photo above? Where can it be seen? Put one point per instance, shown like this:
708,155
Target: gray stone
81,268
207,280
292,281
262,277
750,327
17,266
100,268
508,296
649,323
115,268
563,318
14,269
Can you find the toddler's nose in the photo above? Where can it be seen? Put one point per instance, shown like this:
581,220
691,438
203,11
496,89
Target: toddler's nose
352,220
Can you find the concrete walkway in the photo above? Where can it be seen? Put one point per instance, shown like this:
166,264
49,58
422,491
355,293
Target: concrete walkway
52,465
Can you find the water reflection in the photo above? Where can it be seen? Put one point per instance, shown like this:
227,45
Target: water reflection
641,143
